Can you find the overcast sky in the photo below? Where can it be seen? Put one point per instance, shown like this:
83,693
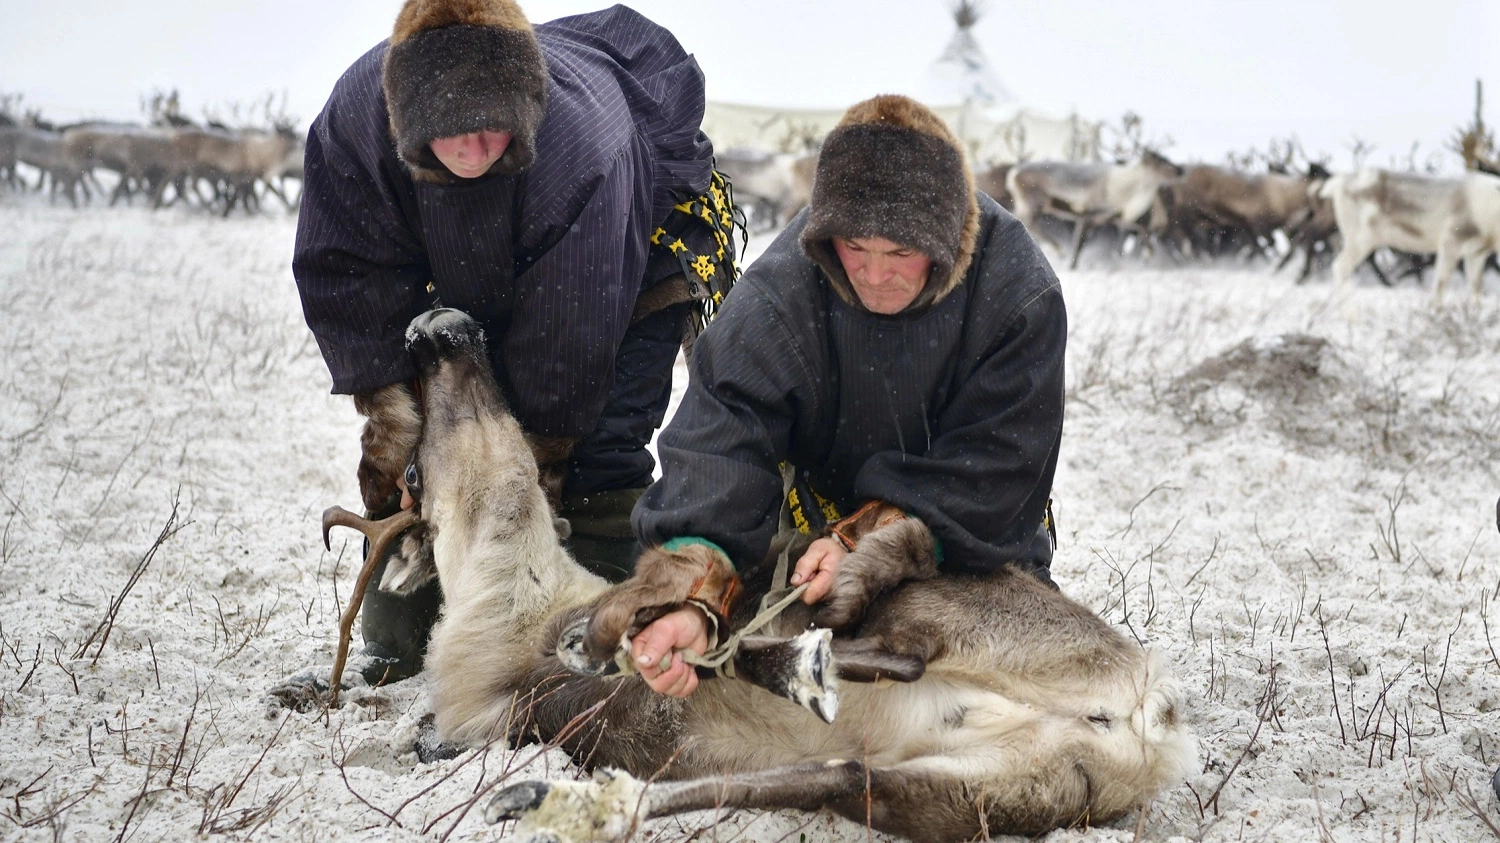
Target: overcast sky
1213,75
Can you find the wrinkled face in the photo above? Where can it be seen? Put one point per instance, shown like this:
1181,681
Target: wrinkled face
886,276
470,156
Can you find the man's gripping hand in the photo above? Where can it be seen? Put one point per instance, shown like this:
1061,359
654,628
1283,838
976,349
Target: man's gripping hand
685,630
818,568
678,600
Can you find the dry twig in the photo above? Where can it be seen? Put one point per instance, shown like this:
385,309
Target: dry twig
102,631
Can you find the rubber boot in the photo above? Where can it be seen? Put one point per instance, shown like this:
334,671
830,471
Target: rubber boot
602,540
395,627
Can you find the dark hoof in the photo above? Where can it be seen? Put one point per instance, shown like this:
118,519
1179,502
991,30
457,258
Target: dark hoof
1495,783
573,653
441,334
429,747
516,801
379,670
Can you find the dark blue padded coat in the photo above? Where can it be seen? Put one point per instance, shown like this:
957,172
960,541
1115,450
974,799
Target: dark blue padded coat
550,262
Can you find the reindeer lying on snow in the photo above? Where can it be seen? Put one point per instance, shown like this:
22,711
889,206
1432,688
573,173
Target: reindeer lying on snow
1019,710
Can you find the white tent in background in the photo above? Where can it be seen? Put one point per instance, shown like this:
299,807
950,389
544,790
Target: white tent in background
960,86
962,74
987,116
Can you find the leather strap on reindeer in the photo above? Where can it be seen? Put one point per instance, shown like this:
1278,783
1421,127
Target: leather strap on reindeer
872,516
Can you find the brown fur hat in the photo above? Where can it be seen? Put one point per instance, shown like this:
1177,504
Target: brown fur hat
460,66
892,169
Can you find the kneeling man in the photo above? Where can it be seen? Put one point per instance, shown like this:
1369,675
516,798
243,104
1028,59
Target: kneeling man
896,353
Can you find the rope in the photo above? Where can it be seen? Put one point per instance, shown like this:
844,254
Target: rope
721,658
718,658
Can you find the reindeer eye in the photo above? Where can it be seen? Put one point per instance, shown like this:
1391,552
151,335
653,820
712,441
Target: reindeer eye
412,480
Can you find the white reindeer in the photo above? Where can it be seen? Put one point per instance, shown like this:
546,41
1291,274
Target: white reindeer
1454,218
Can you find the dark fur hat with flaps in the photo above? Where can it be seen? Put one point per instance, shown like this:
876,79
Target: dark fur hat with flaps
461,66
892,169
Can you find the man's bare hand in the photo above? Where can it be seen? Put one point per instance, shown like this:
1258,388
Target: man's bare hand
817,568
684,629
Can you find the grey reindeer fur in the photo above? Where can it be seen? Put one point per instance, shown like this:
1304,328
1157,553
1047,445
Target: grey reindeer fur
1032,714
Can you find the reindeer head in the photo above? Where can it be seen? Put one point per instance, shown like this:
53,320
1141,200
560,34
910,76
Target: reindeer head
1160,164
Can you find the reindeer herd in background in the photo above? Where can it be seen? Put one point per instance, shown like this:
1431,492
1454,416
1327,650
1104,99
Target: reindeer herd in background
1271,206
171,158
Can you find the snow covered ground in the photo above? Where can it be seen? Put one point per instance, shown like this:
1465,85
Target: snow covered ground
1290,493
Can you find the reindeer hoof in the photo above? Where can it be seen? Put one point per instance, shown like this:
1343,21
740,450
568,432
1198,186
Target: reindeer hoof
308,689
516,801
800,669
603,809
812,683
574,655
442,334
300,692
429,746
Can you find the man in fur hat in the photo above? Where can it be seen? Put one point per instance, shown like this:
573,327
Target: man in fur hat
896,354
527,176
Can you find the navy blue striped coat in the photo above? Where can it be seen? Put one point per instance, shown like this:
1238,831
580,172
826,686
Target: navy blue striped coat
550,262
953,414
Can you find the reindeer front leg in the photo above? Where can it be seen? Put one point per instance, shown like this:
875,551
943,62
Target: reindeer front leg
886,547
697,573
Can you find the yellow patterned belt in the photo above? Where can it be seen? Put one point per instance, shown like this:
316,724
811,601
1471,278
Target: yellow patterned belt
710,276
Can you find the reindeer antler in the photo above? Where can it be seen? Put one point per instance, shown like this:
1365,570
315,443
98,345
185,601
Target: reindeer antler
381,534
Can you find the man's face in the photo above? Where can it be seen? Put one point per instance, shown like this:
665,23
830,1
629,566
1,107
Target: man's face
470,156
887,277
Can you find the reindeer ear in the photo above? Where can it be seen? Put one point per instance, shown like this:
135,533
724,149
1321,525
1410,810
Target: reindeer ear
411,565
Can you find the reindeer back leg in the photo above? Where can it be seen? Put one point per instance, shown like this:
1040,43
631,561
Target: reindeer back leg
937,800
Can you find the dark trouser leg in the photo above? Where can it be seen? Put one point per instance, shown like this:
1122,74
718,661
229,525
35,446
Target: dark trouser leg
396,627
1038,557
602,540
612,466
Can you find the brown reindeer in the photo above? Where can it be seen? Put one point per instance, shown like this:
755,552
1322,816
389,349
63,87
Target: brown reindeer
1027,712
233,161
41,146
1251,207
992,182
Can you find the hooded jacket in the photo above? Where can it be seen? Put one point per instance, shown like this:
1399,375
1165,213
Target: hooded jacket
549,250
951,410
